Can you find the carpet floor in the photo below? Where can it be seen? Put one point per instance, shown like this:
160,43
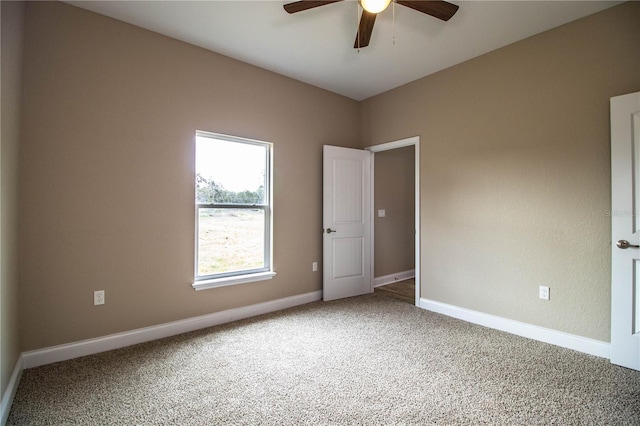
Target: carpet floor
364,360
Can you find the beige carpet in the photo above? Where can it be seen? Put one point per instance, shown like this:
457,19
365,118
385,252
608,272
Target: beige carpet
365,360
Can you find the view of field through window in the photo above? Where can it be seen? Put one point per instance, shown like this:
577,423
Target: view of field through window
231,204
230,240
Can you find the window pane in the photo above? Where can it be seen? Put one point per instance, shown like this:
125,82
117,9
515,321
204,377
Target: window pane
230,172
230,240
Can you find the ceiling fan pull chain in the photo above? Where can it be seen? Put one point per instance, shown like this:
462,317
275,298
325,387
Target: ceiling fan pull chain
393,10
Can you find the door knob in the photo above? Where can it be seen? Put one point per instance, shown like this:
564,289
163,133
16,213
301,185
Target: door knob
329,230
624,244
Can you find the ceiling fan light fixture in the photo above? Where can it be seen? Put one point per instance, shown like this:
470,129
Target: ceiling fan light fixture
374,6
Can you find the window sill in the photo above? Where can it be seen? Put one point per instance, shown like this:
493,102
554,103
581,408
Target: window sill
240,279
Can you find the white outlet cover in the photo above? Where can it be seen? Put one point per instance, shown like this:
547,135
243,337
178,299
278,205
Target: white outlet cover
98,297
544,293
381,213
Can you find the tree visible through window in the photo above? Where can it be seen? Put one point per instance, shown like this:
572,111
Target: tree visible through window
233,211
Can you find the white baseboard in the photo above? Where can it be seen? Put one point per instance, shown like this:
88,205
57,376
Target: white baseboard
546,335
391,278
119,340
10,392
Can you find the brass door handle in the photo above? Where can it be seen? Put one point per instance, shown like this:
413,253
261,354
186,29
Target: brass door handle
624,244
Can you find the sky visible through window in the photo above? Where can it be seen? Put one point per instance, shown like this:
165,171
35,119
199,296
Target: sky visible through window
236,166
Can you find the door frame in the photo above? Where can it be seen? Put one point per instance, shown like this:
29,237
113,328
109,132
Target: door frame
415,142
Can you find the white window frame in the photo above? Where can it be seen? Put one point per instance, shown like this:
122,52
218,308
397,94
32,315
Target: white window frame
203,282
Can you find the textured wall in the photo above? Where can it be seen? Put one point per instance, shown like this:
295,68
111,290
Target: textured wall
394,187
12,47
515,173
108,173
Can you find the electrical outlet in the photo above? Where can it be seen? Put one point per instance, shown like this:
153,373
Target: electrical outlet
382,213
98,297
544,292
314,266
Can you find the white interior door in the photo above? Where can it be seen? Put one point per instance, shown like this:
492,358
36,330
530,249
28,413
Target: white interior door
625,230
346,222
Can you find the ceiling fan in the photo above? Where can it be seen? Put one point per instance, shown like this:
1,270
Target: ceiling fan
438,8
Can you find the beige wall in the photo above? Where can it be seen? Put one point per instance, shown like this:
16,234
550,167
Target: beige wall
394,192
107,199
514,154
515,171
12,47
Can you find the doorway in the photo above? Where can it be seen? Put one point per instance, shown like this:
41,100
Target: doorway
396,213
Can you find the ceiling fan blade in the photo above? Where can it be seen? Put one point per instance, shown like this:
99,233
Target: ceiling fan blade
439,9
299,6
365,29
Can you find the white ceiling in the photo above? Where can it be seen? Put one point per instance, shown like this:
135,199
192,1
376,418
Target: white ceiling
316,46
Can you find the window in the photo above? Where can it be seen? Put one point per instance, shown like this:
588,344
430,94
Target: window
233,210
